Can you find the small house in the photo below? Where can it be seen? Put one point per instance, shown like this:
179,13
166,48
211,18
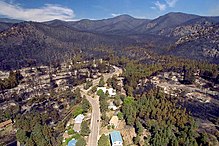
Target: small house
79,118
116,138
112,106
111,91
72,142
77,123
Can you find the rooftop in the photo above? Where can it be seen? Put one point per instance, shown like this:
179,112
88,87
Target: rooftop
72,142
79,118
77,127
115,136
111,91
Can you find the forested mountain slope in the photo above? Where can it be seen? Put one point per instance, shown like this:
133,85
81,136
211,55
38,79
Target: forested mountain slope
179,34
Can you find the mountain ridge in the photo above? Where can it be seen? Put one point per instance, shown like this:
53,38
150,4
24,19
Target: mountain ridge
54,40
8,20
126,24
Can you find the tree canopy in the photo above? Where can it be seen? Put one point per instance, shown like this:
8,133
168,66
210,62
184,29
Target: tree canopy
104,141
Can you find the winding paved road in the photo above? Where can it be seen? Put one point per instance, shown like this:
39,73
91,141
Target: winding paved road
95,117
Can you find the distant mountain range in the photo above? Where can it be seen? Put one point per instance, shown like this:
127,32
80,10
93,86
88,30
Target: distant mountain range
6,23
125,24
7,20
179,34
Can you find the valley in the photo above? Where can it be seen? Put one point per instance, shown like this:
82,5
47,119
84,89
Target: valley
143,81
60,93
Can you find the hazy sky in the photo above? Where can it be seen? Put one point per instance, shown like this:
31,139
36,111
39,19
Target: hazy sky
43,10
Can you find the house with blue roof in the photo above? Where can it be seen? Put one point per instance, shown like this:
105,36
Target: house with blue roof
72,142
116,138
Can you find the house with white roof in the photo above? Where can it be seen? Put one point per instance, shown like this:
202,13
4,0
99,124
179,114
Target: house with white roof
116,138
77,123
111,91
79,118
112,106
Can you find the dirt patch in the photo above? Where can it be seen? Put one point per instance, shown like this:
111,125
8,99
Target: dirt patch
110,113
7,135
128,134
